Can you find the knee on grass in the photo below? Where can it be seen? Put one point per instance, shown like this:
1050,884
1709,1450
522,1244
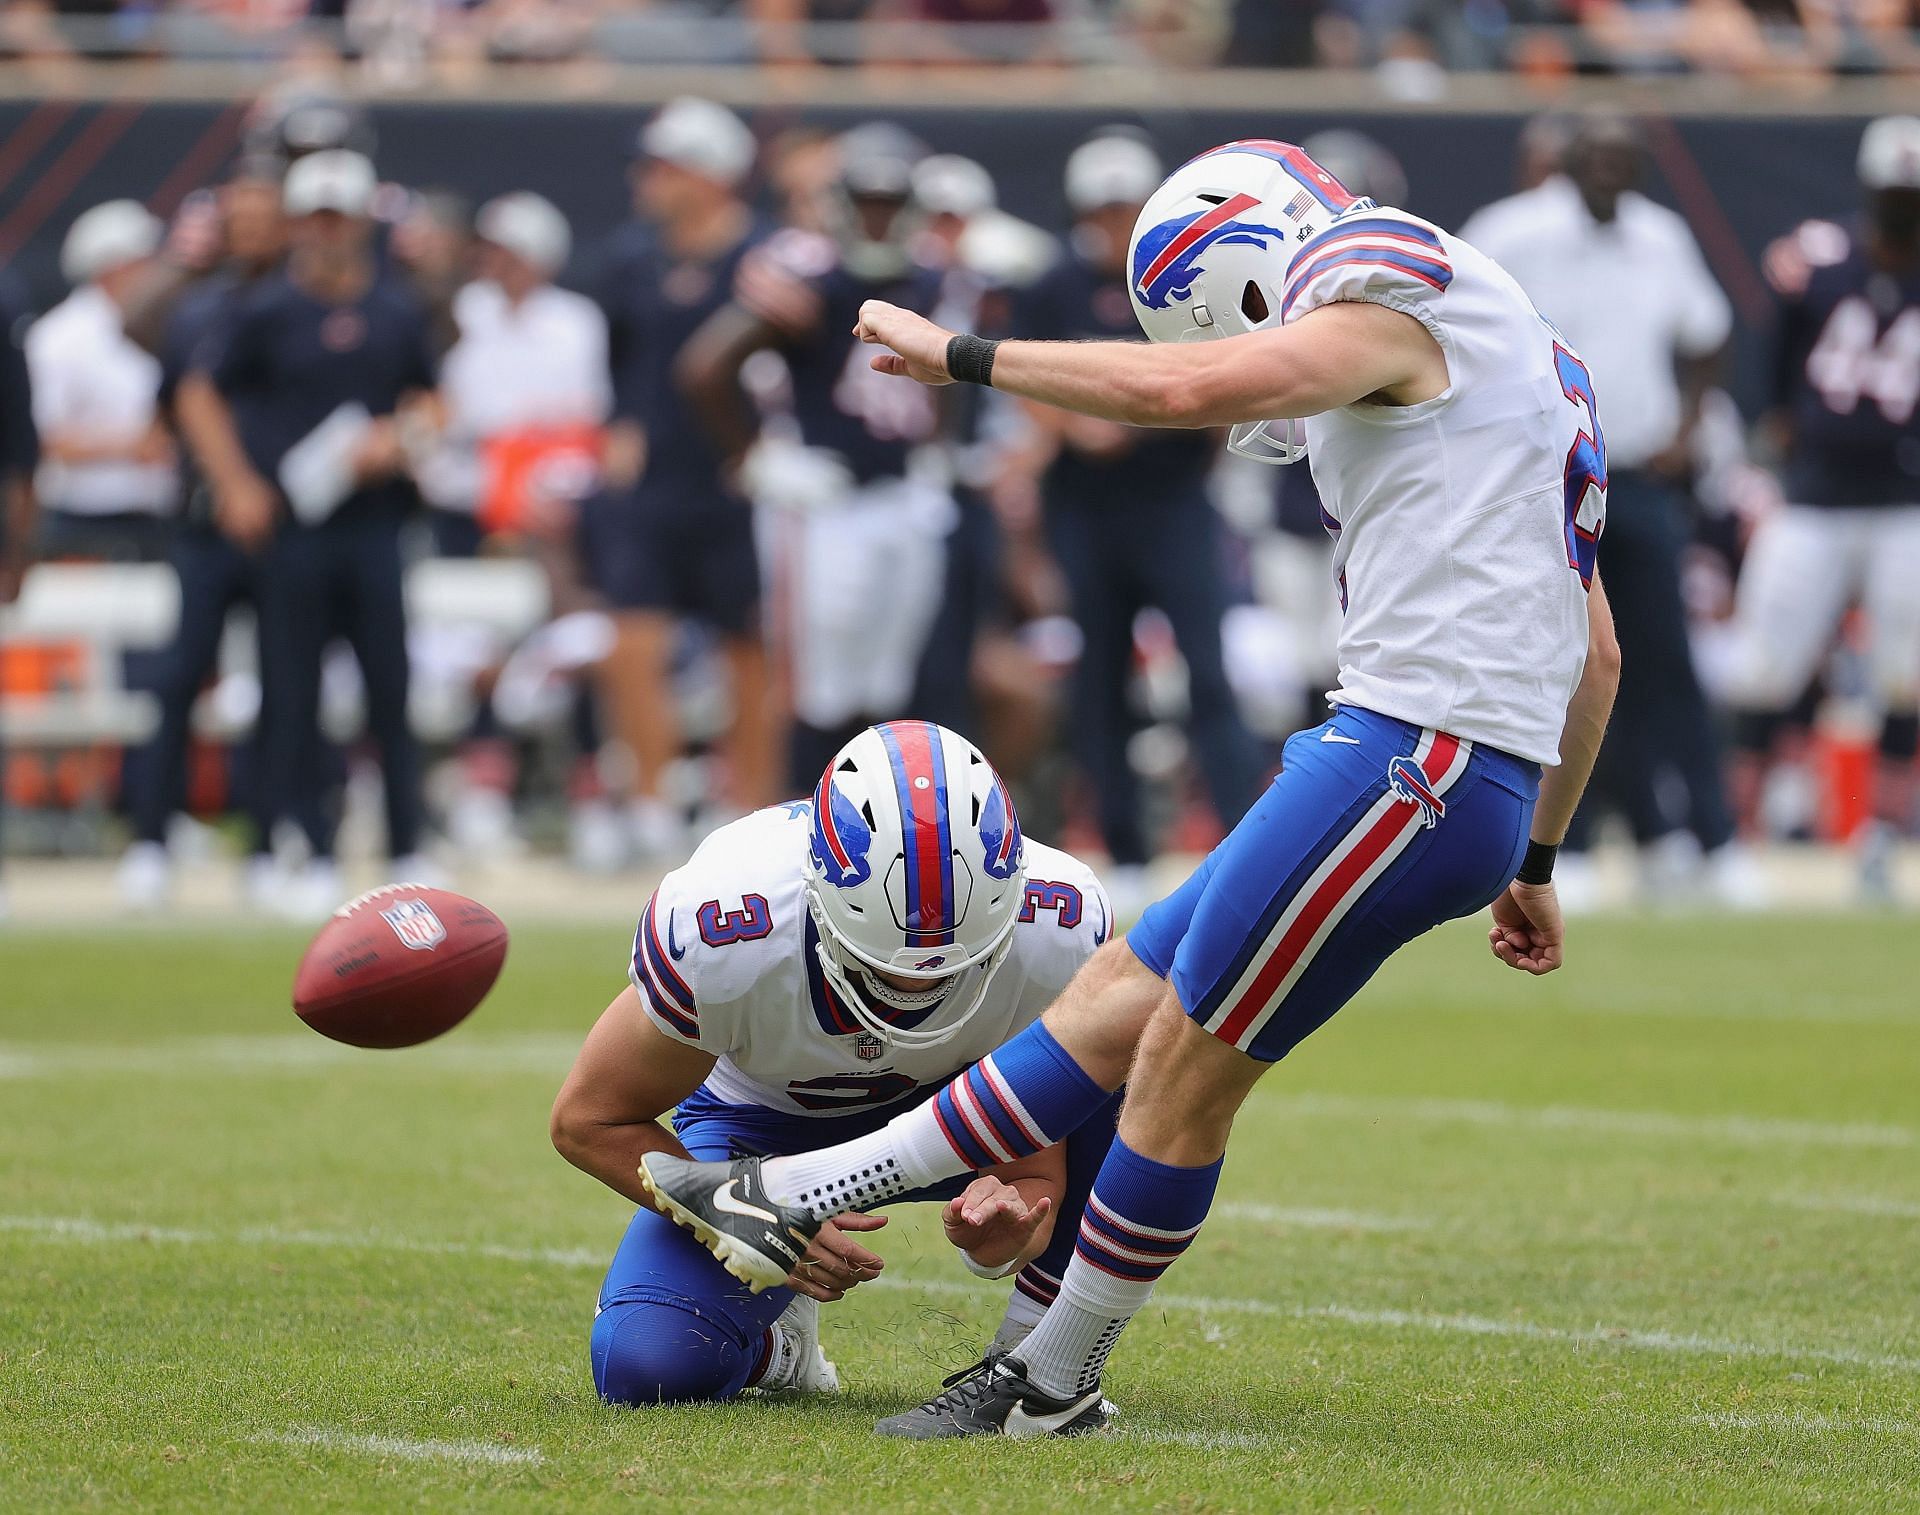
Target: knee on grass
647,1352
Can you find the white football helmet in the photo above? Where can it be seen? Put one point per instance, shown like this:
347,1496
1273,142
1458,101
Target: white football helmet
918,870
1212,249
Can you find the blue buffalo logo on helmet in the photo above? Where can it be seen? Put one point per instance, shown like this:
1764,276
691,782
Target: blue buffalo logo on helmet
1000,833
841,838
1409,783
1166,257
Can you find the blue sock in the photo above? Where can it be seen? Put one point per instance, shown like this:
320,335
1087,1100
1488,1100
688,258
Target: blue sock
1141,1216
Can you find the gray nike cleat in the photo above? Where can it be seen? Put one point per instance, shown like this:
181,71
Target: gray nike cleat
994,1398
725,1206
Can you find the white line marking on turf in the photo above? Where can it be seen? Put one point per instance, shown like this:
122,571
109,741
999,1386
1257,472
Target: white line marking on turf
67,1228
411,1448
1853,1204
1745,1130
300,1052
1803,1420
70,1228
548,1053
1477,1325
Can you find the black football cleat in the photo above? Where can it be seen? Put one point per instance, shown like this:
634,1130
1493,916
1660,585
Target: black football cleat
725,1206
994,1398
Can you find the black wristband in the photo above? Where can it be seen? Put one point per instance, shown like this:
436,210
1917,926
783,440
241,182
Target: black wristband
1537,866
970,358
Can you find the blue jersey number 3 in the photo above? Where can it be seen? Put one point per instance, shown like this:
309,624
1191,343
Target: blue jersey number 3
1586,470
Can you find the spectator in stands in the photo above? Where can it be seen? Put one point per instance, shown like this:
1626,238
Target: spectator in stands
107,478
19,456
182,309
295,416
676,545
1130,521
1623,278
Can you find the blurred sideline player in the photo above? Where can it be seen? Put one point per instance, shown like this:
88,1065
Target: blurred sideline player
852,521
1846,384
1458,448
976,673
672,540
811,968
1131,523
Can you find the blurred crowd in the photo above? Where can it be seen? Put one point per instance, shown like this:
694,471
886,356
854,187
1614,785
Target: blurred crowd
750,545
1412,43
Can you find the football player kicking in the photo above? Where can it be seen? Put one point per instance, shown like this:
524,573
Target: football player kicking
1460,462
813,969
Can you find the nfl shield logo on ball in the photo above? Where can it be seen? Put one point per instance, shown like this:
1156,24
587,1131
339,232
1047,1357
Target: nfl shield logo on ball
868,1047
416,925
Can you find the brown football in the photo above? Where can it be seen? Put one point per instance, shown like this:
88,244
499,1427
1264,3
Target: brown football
398,966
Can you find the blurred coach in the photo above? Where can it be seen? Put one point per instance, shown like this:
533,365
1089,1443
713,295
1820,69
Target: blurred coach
1129,518
293,413
1623,278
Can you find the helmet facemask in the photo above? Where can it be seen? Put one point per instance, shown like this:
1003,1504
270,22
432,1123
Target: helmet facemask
857,982
917,872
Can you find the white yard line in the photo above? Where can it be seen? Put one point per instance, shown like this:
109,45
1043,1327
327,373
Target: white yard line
410,1448
294,1052
93,1232
551,1053
1853,1204
1743,1130
1803,1420
1480,1325
87,1231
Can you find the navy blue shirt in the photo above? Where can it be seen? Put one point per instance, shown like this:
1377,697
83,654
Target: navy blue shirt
654,303
19,441
1847,373
871,420
1075,302
285,361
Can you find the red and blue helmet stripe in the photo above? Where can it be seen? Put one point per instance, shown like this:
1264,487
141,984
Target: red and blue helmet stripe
919,768
1329,191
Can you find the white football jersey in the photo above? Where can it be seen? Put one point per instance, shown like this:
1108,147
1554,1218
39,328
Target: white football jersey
1464,526
725,961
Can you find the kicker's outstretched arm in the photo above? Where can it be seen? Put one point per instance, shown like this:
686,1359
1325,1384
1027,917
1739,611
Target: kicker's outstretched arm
1334,356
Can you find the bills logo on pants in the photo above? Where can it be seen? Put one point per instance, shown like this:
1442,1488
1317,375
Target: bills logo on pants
1414,799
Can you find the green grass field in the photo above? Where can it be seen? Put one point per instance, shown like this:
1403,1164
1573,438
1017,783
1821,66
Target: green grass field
1643,1236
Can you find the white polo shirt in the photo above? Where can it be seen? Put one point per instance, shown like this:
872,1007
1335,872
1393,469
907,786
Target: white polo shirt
540,363
1632,294
90,380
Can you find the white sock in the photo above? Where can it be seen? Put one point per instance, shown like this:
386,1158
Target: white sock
908,1152
1068,1349
1023,1314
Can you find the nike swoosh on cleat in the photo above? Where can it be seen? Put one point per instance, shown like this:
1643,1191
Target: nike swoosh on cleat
1345,741
1020,1423
725,1199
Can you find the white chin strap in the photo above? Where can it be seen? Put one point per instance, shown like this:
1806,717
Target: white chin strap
899,1036
1282,441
